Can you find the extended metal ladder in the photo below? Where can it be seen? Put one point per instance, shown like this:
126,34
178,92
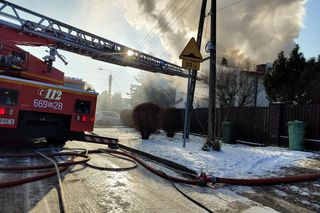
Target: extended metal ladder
78,41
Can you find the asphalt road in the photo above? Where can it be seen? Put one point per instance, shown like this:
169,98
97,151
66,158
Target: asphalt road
90,190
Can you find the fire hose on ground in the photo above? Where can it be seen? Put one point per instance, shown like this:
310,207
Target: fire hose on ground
62,167
201,180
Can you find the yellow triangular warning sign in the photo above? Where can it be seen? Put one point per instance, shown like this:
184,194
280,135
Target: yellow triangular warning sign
191,52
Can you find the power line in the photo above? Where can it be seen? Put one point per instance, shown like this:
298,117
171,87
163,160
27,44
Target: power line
154,41
149,34
163,26
220,9
180,12
230,5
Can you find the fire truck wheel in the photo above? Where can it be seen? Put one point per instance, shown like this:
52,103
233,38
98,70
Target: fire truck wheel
57,141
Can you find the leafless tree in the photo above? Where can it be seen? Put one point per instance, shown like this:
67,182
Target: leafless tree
227,86
248,86
236,86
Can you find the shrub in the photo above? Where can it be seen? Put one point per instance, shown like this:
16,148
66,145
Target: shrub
171,121
146,119
126,117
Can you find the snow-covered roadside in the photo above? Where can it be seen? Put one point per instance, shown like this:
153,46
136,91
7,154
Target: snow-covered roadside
233,161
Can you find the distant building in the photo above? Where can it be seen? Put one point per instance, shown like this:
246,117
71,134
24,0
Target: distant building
201,97
77,83
260,98
263,68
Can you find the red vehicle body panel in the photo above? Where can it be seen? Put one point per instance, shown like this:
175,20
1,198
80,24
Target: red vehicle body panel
42,97
40,89
35,69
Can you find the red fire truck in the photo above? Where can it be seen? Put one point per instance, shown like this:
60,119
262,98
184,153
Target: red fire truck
36,100
33,99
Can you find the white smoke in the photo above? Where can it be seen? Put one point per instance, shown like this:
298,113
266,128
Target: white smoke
255,29
169,23
250,29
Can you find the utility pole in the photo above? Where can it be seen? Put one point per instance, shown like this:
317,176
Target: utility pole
212,77
193,79
110,82
201,23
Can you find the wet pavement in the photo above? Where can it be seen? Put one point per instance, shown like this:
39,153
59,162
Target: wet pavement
90,190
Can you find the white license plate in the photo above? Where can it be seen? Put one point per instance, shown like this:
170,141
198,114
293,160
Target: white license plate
6,121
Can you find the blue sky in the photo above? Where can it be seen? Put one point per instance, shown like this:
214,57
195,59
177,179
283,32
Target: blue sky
109,22
309,38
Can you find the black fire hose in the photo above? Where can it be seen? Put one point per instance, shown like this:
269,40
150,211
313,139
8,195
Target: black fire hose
141,162
43,166
60,191
62,167
203,179
158,172
133,166
86,158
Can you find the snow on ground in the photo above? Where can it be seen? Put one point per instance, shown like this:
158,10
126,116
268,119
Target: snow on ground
234,160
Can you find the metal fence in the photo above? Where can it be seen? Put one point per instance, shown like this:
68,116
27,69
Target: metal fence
251,122
308,113
262,125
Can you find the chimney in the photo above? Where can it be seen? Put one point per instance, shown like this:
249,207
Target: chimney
261,68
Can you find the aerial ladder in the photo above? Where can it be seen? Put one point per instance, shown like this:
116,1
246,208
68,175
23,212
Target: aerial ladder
32,91
69,38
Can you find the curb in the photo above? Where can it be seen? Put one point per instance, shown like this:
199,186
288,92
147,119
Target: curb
163,161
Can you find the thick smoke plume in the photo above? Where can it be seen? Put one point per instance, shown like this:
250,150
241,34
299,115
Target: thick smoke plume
255,29
250,29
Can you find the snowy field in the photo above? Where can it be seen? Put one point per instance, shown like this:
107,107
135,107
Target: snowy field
237,160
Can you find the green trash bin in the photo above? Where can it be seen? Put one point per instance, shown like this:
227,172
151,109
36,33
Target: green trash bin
228,132
296,130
